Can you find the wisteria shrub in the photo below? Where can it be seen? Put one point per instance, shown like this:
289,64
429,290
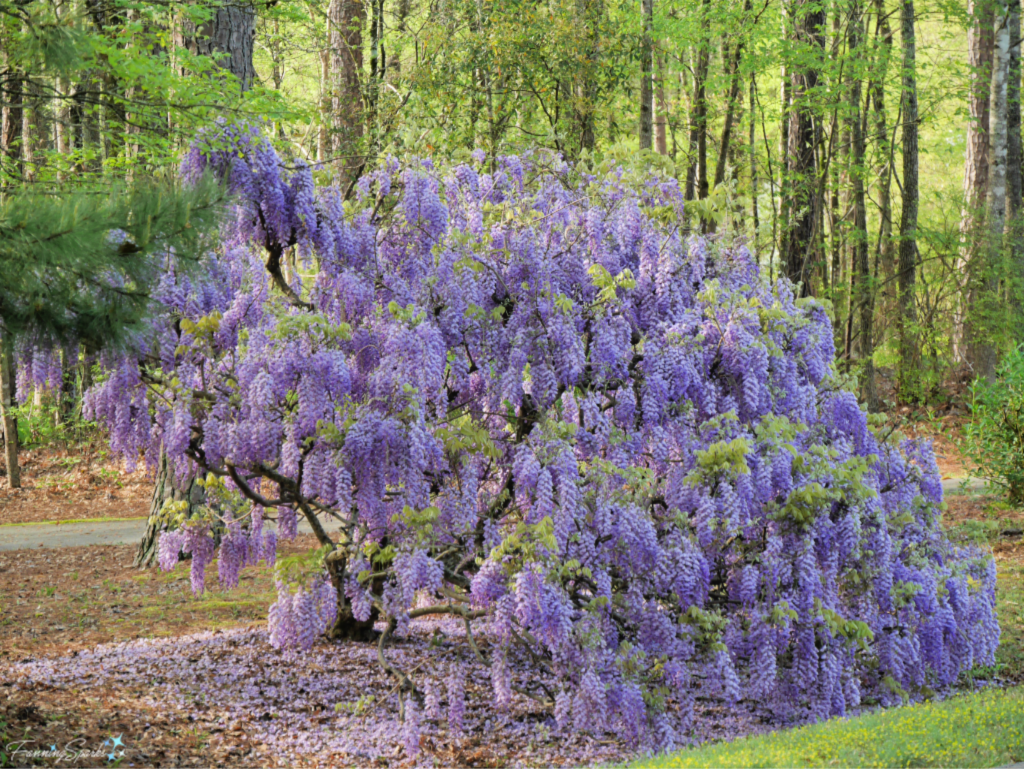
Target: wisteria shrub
533,401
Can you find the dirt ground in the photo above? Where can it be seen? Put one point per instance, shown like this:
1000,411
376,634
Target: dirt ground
83,482
56,602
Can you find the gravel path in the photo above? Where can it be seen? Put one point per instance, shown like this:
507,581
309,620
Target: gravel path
128,532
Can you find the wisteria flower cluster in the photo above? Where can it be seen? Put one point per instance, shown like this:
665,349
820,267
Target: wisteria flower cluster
536,403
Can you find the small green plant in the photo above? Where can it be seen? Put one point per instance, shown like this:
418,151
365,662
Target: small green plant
994,438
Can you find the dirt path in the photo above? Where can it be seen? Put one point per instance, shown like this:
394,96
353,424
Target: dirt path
29,536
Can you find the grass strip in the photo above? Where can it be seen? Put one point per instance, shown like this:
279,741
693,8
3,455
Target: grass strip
981,729
73,520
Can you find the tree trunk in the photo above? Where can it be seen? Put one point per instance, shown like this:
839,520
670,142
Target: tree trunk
1014,192
588,14
862,288
346,627
323,135
908,378
979,53
753,161
165,489
378,67
9,423
29,116
11,85
982,344
647,76
785,105
661,111
730,111
346,19
229,36
886,247
798,260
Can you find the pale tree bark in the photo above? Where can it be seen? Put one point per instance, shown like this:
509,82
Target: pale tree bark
979,55
753,160
7,420
11,86
908,376
785,105
346,19
1014,192
981,339
29,116
661,108
647,76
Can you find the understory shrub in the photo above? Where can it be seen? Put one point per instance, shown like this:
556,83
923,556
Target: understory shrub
534,402
994,438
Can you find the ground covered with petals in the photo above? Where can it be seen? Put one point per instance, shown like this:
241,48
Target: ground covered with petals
227,697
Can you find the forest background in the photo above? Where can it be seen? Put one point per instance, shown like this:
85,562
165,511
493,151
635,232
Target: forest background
870,151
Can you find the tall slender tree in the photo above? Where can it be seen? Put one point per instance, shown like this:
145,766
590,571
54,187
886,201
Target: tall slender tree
1014,162
908,377
976,173
346,19
982,341
647,76
808,29
8,423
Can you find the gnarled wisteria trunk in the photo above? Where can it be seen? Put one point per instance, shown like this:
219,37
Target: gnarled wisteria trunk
166,488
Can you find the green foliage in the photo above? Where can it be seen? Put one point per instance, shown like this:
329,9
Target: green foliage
63,275
725,457
994,438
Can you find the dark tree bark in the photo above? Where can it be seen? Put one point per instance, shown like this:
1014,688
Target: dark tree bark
346,19
885,249
730,109
697,173
588,14
228,35
7,420
908,379
808,26
647,76
862,288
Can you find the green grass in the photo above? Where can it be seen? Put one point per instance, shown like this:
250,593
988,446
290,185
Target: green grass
983,729
74,520
1010,608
